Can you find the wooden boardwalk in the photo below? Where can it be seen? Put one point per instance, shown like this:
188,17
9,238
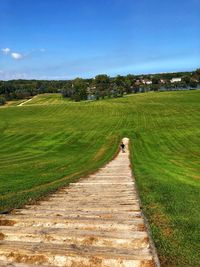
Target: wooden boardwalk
94,222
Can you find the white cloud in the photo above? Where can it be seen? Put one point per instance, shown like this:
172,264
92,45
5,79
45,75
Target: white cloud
16,56
13,75
6,50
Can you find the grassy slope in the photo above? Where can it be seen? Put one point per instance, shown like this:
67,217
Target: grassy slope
49,142
166,165
46,99
42,146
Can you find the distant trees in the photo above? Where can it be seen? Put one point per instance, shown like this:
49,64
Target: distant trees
20,89
2,101
198,71
102,86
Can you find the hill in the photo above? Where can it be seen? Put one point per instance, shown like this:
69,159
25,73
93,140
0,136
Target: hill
49,142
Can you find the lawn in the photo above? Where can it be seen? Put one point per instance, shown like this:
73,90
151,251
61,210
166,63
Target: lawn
50,142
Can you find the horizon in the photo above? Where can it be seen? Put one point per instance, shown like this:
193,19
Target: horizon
62,40
93,77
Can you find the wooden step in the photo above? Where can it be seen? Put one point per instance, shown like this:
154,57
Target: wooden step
73,255
98,214
96,238
136,225
6,263
20,219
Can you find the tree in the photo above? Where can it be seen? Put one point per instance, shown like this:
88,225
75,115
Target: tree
186,79
120,84
67,90
155,80
79,89
193,84
119,80
102,84
198,71
154,87
129,83
120,91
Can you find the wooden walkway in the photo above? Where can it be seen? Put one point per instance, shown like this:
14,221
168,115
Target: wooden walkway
94,222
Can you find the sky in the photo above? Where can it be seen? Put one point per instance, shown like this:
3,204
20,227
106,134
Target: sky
64,39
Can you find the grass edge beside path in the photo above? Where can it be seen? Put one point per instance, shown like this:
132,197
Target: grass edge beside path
171,232
24,197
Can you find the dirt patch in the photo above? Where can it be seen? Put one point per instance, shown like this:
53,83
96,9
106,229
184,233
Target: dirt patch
89,241
4,222
146,240
31,259
93,262
141,227
96,261
49,238
107,216
161,220
148,264
2,236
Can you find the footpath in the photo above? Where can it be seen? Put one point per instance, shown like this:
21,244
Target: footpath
94,222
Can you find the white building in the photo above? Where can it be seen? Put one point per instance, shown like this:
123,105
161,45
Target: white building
176,80
162,81
146,81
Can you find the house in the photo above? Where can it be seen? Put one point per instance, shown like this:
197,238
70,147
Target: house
91,90
176,80
193,79
146,81
162,81
138,82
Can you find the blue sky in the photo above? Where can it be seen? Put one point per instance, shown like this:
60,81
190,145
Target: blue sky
63,39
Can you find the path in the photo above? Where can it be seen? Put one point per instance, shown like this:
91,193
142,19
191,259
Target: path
94,222
21,104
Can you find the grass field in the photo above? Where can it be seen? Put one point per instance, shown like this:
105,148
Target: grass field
49,142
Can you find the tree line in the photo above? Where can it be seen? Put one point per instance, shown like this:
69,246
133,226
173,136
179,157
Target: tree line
100,87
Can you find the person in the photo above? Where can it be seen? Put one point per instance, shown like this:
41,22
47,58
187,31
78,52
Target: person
122,147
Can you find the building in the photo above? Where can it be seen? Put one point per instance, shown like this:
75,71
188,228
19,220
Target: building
138,83
146,81
91,90
176,80
193,79
162,81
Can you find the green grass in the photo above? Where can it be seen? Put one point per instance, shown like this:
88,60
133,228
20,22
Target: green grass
47,99
50,142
